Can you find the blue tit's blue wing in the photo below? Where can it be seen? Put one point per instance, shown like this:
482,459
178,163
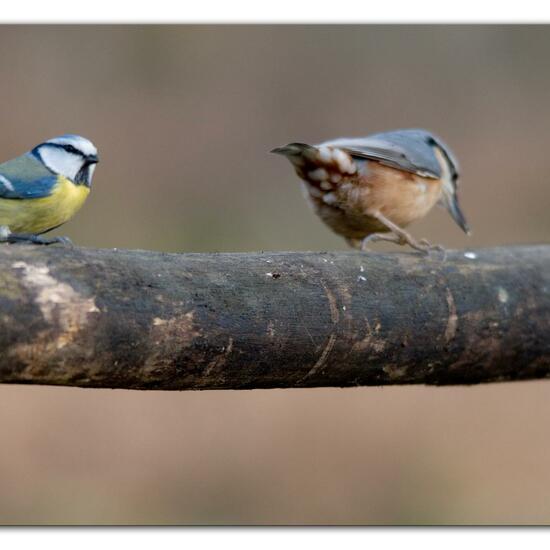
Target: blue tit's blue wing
25,177
411,150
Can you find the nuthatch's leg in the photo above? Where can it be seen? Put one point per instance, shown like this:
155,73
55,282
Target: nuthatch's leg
375,237
399,236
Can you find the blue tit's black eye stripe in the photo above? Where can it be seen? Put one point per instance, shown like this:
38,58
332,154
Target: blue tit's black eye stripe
67,147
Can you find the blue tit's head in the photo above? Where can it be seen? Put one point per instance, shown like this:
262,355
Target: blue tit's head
71,156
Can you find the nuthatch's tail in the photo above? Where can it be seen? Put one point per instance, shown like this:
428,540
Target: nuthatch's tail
292,149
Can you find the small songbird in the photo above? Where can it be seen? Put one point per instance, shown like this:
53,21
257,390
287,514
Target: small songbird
368,189
44,188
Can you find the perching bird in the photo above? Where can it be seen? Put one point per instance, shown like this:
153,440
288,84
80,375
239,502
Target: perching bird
44,188
368,189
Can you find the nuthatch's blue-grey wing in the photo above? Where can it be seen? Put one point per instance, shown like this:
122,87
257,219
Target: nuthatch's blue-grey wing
411,150
25,177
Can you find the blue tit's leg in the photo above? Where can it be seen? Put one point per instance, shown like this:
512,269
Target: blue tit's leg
36,239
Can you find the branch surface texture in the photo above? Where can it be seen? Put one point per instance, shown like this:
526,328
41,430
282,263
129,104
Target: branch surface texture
149,320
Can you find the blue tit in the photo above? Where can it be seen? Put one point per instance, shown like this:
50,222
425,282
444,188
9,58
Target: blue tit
44,188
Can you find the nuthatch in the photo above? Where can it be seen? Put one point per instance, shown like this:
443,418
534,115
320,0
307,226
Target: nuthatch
368,189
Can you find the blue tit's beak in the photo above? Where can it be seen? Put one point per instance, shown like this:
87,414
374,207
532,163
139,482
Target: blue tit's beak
92,159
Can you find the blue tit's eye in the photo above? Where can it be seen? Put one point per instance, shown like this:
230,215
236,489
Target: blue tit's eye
71,149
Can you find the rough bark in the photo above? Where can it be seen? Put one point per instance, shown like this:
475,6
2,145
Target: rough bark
148,320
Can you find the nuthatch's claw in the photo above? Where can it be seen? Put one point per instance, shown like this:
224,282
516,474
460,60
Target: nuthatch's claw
427,247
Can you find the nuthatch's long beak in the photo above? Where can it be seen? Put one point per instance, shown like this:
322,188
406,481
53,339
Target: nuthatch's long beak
454,209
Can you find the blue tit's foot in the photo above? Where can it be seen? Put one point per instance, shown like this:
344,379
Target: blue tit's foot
36,239
4,233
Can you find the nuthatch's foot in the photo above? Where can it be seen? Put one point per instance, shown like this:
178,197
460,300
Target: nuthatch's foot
399,236
422,246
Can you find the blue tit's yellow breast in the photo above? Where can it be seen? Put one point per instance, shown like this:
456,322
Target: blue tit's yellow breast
45,213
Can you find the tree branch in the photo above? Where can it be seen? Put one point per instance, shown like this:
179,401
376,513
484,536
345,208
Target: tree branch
147,320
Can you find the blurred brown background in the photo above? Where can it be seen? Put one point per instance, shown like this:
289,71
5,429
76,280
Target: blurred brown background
183,117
